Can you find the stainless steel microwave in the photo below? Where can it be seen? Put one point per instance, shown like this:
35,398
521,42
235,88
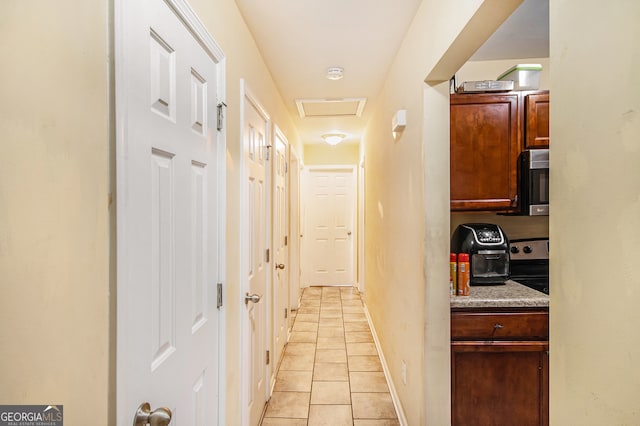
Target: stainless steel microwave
534,182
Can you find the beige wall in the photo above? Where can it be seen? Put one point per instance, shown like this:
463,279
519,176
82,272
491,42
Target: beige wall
319,154
595,164
55,225
407,206
491,70
54,207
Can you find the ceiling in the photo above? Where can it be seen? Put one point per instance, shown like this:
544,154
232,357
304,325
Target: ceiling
300,40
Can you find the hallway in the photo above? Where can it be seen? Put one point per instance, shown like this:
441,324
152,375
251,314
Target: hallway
330,373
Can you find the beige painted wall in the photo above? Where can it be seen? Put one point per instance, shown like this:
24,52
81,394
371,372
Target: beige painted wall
319,154
595,164
54,200
491,70
54,207
407,207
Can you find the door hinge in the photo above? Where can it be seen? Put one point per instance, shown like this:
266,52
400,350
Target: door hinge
266,256
286,240
268,153
268,360
221,115
286,313
219,297
286,167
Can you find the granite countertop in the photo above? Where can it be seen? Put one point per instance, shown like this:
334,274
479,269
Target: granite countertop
509,295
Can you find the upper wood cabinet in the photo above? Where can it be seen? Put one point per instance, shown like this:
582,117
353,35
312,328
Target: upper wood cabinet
485,146
488,132
536,121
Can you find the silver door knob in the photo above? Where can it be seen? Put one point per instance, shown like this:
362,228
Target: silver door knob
280,266
253,298
158,417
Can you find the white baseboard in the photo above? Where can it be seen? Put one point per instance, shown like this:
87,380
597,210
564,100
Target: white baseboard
385,367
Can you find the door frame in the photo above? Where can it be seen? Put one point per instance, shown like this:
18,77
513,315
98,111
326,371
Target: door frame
119,121
351,168
246,95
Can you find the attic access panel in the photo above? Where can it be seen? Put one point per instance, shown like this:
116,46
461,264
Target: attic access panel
343,107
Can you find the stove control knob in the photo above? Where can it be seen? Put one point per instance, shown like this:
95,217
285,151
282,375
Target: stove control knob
527,249
515,249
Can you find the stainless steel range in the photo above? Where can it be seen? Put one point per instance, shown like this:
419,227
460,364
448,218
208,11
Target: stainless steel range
529,259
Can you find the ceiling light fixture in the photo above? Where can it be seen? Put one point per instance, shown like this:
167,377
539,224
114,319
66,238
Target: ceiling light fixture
333,138
335,73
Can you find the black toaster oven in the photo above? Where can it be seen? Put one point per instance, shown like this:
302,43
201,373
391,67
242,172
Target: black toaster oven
488,249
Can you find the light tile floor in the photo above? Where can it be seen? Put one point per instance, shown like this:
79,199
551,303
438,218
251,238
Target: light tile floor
330,373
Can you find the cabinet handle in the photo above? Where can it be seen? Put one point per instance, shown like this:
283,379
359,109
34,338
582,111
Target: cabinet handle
498,326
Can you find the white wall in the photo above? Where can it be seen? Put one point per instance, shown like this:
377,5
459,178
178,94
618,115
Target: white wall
594,226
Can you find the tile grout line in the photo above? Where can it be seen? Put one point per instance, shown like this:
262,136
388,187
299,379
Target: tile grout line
327,300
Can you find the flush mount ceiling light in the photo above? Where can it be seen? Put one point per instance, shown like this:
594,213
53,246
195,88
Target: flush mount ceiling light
333,138
335,73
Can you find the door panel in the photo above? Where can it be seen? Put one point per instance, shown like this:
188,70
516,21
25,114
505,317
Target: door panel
169,203
329,227
294,233
280,248
255,143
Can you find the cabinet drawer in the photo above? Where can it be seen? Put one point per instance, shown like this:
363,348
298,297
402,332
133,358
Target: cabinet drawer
498,326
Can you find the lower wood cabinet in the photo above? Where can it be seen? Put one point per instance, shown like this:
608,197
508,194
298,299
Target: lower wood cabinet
500,368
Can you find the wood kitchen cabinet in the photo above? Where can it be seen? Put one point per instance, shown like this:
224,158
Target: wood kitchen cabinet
488,131
500,367
484,151
536,120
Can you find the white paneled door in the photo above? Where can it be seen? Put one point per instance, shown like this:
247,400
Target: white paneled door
169,241
254,263
329,236
280,247
294,232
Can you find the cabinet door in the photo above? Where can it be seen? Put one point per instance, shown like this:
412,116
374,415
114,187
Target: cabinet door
484,152
537,121
499,383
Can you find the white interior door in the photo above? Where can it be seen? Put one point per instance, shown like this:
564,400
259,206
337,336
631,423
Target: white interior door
294,232
255,139
329,235
169,201
280,247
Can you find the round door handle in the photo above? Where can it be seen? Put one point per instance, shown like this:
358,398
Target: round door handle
279,265
253,298
158,417
349,233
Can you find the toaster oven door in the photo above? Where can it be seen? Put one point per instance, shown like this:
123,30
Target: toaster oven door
489,267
